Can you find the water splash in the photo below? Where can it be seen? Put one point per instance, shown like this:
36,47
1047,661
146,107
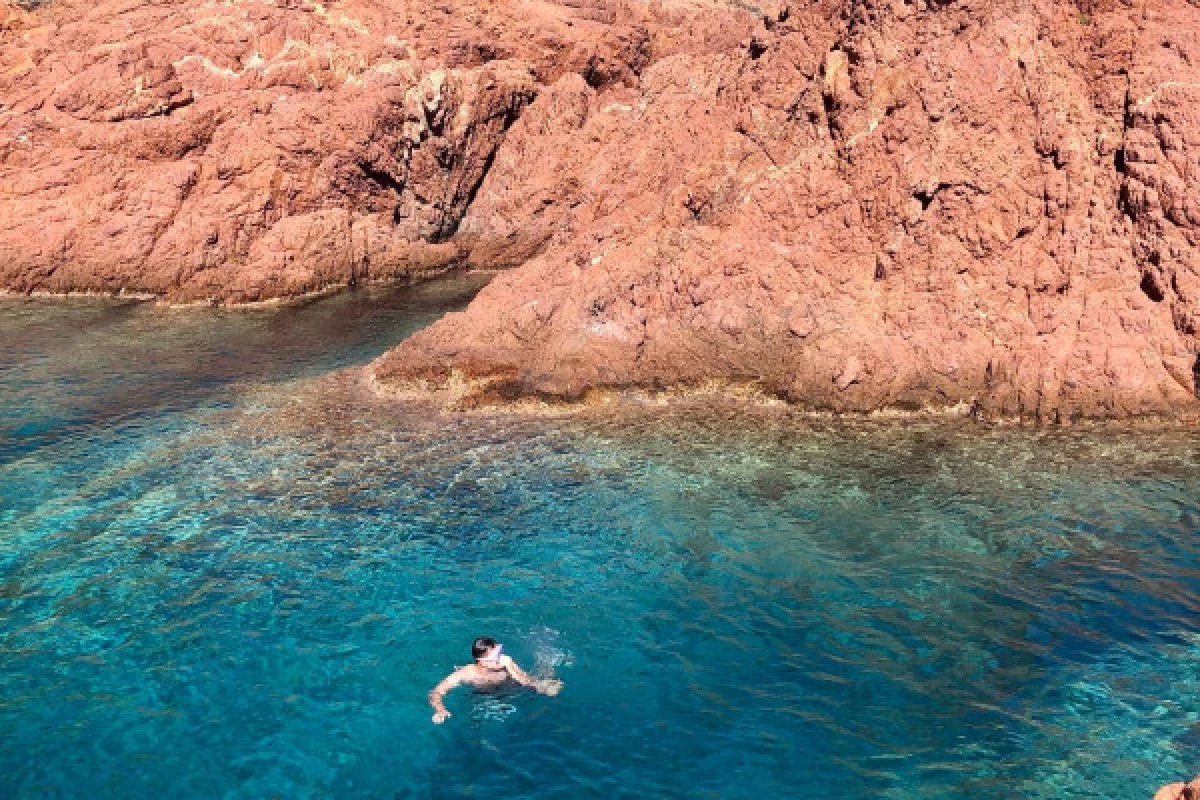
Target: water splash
549,653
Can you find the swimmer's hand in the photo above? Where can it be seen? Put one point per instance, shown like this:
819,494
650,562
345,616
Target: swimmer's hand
440,717
550,686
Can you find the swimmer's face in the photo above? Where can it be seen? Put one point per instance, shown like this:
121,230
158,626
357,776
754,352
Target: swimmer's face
492,656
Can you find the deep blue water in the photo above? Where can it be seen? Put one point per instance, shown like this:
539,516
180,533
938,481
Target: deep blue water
225,572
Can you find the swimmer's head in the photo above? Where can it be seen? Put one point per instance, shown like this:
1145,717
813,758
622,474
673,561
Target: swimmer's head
485,647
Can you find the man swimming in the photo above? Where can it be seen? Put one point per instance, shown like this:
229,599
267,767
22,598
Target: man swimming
491,669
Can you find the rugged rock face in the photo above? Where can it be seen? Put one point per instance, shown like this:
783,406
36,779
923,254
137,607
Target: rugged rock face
850,204
865,205
248,150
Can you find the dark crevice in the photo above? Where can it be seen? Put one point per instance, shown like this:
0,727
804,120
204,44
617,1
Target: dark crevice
448,228
770,22
448,225
1123,200
445,156
1120,157
831,122
1150,287
1196,377
381,177
925,197
757,48
697,206
446,231
593,74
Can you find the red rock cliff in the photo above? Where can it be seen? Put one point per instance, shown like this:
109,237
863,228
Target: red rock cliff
852,205
247,150
864,205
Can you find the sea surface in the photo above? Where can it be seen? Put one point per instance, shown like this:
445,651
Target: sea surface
227,572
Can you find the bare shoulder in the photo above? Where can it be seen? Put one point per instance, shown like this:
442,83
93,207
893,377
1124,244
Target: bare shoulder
515,671
459,675
468,674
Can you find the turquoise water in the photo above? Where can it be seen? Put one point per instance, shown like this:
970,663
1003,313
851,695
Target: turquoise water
225,572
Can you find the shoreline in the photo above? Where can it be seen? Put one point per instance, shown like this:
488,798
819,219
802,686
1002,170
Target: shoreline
282,301
717,394
460,395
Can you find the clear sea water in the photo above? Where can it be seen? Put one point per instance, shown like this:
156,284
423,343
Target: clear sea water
227,573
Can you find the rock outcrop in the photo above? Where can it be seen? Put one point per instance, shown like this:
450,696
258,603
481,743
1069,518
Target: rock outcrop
249,150
849,204
872,204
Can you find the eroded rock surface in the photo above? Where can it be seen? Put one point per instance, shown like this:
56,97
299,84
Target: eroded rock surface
247,150
850,205
865,205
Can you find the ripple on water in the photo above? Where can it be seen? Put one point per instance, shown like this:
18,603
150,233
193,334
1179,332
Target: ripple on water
244,585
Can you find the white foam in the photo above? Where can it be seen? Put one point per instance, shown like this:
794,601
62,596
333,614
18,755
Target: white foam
549,653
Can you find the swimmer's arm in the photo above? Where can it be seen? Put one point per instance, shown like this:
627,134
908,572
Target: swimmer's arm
438,692
549,686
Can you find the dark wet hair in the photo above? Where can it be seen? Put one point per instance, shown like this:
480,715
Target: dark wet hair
481,645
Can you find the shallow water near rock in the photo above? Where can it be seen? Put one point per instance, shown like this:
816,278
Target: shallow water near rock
226,572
